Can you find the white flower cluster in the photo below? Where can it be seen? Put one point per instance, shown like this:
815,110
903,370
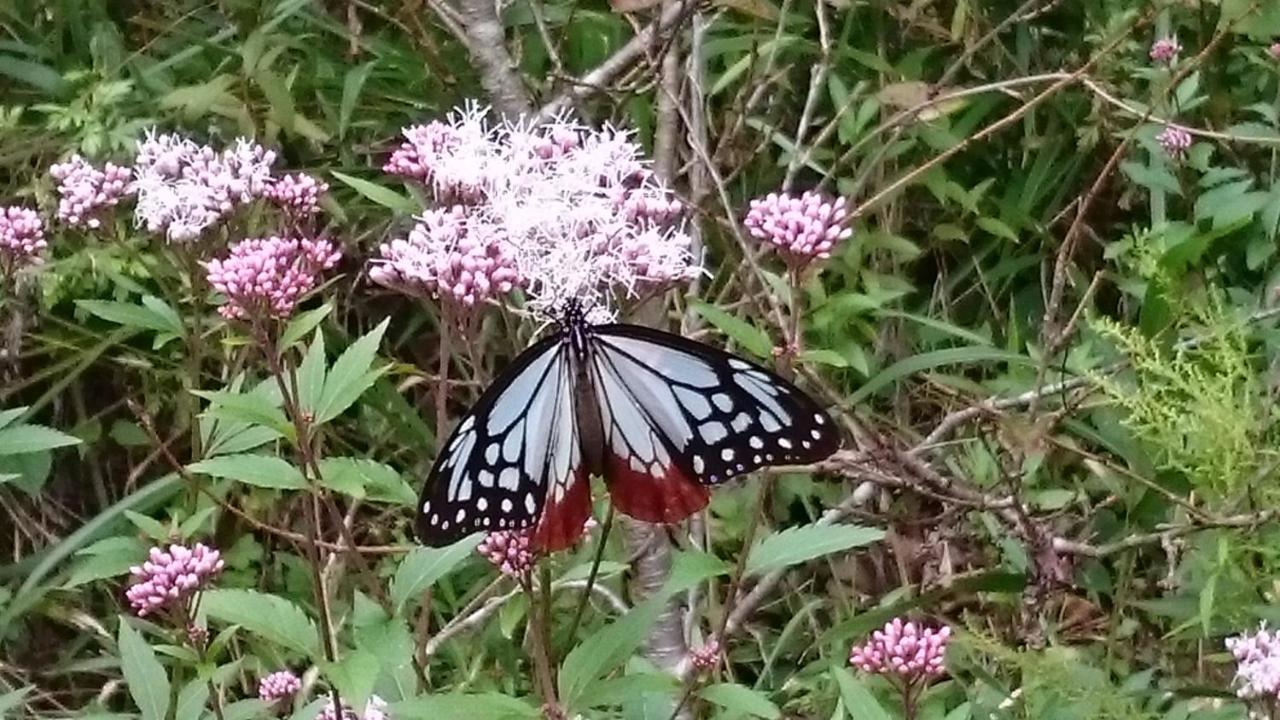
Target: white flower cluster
575,212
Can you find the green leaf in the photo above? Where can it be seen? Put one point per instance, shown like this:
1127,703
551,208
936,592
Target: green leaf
303,323
858,700
824,357
21,439
354,675
283,110
311,374
113,563
365,478
130,315
8,416
739,699
270,616
604,650
34,587
927,361
257,470
801,544
164,311
248,709
350,375
11,700
352,84
750,337
143,673
462,706
385,197
259,407
191,700
424,566
41,77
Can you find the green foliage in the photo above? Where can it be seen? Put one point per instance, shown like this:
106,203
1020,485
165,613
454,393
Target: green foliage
1198,404
1124,525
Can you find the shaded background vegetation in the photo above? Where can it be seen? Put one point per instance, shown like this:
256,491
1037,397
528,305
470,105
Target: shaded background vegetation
1051,343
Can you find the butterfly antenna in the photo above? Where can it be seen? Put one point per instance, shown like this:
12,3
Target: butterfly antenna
591,577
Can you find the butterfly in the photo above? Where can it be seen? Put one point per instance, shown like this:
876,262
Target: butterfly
661,418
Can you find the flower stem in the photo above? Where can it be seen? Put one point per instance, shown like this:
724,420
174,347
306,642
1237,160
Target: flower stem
302,428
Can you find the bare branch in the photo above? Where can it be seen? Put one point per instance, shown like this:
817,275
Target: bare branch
595,81
487,42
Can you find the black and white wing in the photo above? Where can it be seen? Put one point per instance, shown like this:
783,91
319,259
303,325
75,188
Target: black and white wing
514,459
678,415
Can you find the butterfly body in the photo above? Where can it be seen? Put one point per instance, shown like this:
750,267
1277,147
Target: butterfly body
660,417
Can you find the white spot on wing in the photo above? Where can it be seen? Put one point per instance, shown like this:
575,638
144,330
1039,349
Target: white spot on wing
712,432
509,479
726,454
694,402
741,422
722,401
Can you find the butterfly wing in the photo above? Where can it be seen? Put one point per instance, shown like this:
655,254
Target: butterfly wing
514,458
679,415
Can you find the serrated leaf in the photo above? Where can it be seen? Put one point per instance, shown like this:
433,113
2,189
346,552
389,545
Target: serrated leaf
191,700
145,676
164,311
385,197
252,469
8,416
110,564
151,527
350,375
362,478
21,439
354,675
303,323
256,408
424,566
801,544
858,700
128,315
269,616
603,651
740,699
750,337
311,374
463,706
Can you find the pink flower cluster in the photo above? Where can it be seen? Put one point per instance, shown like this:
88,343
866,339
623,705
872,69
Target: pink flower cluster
1165,50
449,253
800,228
21,237
265,277
1274,51
184,188
559,210
707,657
374,709
85,192
1257,663
278,685
1175,140
298,194
508,550
907,651
171,576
